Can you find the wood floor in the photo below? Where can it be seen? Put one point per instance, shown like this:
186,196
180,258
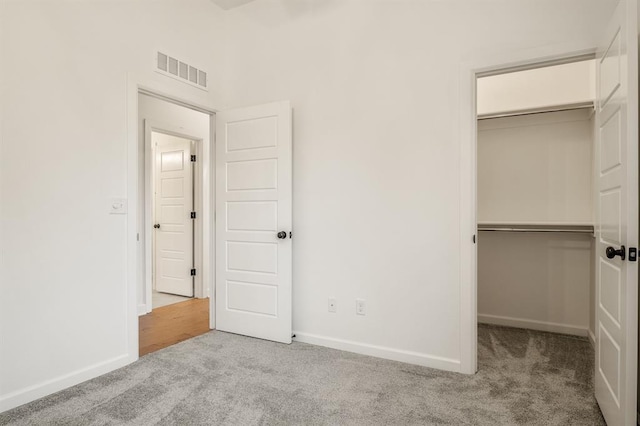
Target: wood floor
171,324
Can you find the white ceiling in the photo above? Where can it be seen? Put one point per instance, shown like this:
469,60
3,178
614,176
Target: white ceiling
230,4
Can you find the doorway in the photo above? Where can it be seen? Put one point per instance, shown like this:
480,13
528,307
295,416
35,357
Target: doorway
615,195
251,168
535,230
175,221
535,225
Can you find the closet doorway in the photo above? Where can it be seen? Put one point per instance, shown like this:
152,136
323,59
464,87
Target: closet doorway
611,367
556,235
535,199
535,228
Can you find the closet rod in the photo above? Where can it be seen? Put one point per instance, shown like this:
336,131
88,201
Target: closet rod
570,231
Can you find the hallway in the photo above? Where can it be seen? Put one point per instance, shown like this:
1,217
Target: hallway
168,325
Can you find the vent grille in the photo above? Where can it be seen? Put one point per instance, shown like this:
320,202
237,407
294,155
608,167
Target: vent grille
182,71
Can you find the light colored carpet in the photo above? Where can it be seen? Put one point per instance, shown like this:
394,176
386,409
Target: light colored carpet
524,377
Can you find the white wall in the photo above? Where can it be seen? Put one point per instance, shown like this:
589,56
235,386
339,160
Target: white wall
161,113
535,280
538,88
536,168
374,86
63,285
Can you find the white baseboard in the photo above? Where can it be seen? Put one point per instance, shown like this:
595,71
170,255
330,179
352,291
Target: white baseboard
425,360
31,393
534,325
592,339
142,309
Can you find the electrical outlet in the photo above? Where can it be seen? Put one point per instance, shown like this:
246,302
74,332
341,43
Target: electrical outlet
360,307
333,304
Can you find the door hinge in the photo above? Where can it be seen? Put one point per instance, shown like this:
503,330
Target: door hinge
193,215
193,158
633,254
193,272
473,238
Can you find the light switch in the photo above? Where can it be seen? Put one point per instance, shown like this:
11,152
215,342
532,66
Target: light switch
118,206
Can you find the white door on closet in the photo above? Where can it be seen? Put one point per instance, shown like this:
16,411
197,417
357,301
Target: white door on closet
253,221
617,217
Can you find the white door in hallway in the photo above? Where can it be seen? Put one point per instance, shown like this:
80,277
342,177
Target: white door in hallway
617,217
173,226
253,221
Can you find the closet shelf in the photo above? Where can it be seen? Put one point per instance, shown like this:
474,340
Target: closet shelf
537,227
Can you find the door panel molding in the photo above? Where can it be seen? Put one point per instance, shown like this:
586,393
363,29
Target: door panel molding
173,229
616,195
253,204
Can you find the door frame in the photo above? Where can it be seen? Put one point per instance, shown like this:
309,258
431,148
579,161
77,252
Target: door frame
201,201
467,134
175,92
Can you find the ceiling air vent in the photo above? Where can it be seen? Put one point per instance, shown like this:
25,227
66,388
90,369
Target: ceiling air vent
182,71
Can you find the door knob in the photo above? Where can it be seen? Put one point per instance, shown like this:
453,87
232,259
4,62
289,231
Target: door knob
282,235
157,226
611,252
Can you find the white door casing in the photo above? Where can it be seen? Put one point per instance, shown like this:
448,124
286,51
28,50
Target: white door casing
253,205
173,203
616,178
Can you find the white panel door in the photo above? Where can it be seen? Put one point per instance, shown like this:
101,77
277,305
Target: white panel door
617,218
173,226
253,221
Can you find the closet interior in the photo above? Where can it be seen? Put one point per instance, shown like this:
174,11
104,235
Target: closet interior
535,198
